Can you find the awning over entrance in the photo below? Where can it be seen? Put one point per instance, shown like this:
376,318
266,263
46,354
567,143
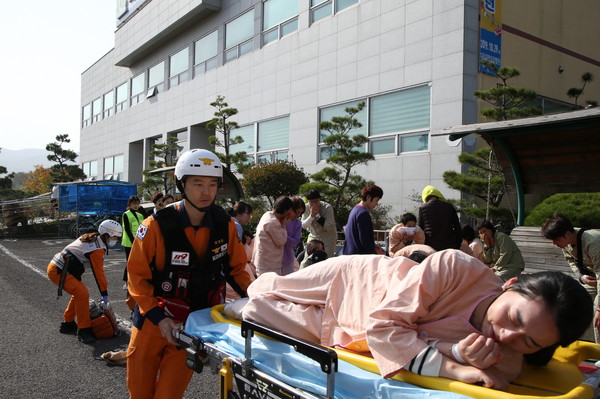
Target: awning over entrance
548,154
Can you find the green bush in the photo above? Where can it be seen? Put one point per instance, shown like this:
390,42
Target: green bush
582,209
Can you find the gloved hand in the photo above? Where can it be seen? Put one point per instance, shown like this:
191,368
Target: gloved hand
104,299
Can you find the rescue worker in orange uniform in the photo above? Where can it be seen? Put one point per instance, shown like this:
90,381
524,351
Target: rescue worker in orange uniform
90,247
180,261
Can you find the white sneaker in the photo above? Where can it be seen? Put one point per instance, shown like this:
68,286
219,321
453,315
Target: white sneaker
597,364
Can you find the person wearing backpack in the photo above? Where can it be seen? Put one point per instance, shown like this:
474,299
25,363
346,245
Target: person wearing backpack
65,270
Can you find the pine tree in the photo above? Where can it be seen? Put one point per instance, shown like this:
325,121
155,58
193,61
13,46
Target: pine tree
62,171
508,102
337,184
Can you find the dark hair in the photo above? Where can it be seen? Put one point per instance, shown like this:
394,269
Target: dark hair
132,199
168,196
564,296
282,205
298,203
408,217
312,194
371,190
245,235
417,256
158,195
468,233
312,245
239,208
556,226
486,224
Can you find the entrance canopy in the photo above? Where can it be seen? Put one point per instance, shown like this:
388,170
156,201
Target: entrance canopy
548,154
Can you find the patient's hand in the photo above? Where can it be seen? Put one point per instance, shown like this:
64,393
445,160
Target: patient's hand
479,351
489,378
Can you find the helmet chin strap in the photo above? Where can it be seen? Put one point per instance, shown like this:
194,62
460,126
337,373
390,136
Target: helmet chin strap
187,200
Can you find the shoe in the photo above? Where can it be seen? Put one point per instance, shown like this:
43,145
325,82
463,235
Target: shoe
597,364
85,335
68,327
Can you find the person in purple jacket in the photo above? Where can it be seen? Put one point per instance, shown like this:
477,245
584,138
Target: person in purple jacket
359,229
294,235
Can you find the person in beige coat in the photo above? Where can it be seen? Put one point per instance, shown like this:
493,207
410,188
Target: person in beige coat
319,220
271,236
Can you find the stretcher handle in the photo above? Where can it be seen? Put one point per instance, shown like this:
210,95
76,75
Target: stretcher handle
326,357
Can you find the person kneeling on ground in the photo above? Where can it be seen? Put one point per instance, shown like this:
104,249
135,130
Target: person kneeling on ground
449,316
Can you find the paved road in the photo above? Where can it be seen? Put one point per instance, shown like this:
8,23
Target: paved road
38,361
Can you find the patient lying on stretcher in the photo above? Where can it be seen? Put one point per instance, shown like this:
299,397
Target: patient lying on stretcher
449,316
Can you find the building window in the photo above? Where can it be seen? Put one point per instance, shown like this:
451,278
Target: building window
137,88
239,35
122,96
113,168
395,123
205,53
280,17
246,133
156,77
320,9
86,115
90,169
182,138
178,67
97,110
273,139
109,103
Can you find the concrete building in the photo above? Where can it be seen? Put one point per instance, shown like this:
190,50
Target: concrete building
288,64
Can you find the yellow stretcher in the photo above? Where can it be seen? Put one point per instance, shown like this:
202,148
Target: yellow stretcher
560,379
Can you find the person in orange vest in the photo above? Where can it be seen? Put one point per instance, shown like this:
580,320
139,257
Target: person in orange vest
181,260
65,270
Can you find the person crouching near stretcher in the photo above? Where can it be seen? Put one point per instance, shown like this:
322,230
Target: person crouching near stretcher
91,247
449,316
180,261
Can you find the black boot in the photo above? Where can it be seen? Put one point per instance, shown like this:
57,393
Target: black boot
85,335
68,327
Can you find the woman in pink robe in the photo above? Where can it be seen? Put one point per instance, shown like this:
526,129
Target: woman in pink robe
443,313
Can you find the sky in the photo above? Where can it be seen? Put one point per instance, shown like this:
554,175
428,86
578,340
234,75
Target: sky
45,47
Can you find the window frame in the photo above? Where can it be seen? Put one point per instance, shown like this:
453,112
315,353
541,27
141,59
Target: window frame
155,88
138,97
397,135
244,46
108,110
209,63
180,77
120,106
334,8
278,27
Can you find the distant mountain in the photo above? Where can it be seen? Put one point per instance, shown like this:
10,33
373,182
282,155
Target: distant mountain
24,160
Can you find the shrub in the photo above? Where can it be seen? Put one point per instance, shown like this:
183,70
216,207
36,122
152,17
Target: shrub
583,209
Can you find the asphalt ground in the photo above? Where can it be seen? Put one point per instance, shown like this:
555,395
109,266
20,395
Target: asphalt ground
36,361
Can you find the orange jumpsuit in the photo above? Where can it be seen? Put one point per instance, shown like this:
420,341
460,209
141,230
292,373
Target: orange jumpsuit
155,368
79,306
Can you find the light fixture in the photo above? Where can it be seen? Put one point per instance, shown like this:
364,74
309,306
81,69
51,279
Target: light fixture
561,69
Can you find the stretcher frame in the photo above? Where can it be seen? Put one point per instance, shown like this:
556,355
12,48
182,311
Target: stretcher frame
561,379
252,382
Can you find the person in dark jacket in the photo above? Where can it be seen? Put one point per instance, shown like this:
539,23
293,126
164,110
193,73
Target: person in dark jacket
359,229
439,220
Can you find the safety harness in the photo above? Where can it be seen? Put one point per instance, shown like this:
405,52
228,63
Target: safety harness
188,283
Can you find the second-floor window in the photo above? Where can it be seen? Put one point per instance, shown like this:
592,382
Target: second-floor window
239,35
280,17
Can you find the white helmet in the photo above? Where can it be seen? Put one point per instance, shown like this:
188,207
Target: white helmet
198,162
110,227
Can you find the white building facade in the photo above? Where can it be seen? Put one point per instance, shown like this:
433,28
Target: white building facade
286,65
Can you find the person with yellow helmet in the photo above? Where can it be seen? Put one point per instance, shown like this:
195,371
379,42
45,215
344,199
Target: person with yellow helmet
65,270
181,259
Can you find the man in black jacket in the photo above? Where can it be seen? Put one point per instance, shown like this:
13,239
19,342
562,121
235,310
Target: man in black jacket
439,221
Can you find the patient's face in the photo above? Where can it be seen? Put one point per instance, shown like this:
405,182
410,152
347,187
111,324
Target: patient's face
520,324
